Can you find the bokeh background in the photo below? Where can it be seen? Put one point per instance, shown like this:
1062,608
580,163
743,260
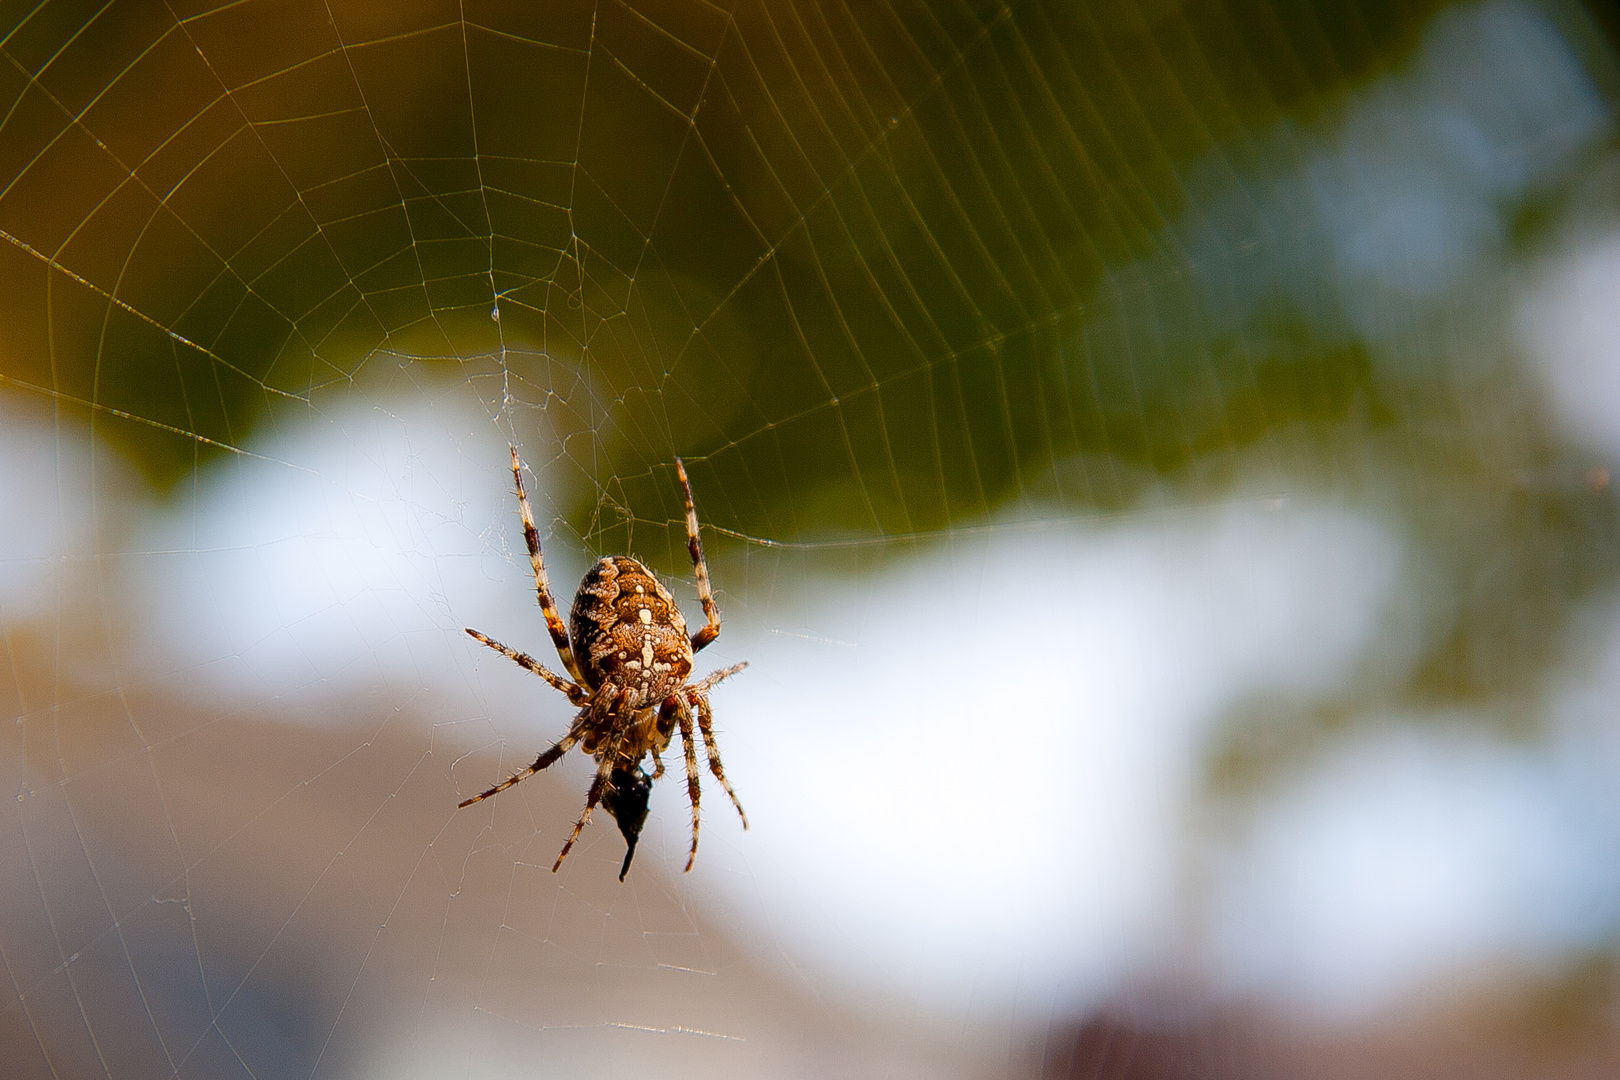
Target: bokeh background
1156,456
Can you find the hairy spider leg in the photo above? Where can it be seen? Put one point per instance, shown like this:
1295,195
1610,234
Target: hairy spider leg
707,682
545,760
706,725
610,758
711,611
542,587
576,693
666,727
694,790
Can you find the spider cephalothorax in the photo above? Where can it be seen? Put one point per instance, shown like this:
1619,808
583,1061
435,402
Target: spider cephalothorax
629,654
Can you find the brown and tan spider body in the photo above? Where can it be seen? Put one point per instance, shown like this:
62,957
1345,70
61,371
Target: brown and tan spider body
629,632
629,655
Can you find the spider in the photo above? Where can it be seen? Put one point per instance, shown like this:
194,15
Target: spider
629,656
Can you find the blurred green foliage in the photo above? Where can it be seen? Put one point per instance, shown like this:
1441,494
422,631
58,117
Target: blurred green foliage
876,270
887,218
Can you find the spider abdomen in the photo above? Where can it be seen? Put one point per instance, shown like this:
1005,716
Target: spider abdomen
627,630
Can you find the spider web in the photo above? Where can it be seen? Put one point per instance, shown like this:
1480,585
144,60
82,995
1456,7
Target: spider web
1154,456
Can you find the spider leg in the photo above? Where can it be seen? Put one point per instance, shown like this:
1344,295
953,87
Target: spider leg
592,797
702,686
706,725
546,758
694,791
711,610
576,693
664,727
610,757
542,588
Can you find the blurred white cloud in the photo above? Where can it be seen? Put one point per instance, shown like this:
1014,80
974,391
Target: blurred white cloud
984,802
342,554
1403,860
1584,735
59,507
1569,321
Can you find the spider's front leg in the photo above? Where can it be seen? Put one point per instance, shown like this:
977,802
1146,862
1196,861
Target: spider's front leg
542,586
700,570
